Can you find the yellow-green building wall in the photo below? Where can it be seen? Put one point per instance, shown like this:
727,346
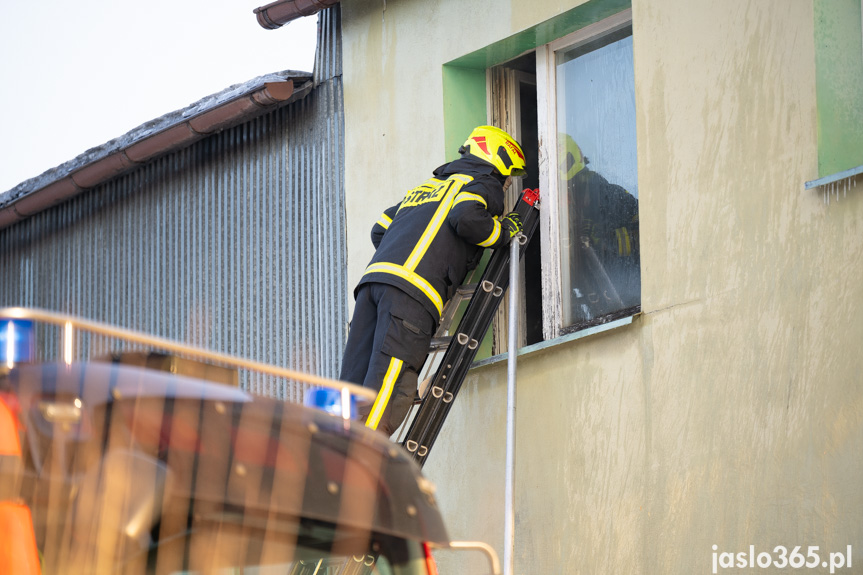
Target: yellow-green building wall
730,411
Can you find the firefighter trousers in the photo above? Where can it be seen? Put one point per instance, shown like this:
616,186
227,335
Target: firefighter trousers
387,345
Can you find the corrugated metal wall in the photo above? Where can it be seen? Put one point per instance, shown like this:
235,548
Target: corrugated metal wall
236,244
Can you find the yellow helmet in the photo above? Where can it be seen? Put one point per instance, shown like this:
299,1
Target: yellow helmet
497,148
570,158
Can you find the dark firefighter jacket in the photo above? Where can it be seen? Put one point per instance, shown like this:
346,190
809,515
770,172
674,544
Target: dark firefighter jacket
603,213
426,244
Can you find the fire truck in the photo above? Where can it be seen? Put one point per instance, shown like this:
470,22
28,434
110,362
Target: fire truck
125,453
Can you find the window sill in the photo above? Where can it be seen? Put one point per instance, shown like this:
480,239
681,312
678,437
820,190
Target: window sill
557,341
833,178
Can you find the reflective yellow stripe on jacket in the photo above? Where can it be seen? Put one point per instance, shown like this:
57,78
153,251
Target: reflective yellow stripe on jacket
407,271
412,277
495,234
437,220
384,221
469,197
624,246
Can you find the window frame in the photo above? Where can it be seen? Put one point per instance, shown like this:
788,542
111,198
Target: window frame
549,184
504,107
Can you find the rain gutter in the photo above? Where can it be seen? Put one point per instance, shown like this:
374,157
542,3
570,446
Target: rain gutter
277,14
149,141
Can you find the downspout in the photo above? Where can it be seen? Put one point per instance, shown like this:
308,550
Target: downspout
509,493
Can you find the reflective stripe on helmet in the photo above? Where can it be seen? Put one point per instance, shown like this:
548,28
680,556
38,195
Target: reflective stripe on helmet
498,148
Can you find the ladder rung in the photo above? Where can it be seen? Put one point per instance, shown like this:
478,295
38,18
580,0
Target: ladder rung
439,343
462,293
465,290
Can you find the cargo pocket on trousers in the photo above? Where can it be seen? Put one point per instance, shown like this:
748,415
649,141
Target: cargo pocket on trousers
407,341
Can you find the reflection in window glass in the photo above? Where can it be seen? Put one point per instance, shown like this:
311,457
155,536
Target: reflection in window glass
598,180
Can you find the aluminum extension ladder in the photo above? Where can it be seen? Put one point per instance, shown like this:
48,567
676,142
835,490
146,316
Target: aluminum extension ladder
460,349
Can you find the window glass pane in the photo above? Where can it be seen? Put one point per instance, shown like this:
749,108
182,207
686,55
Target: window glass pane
598,180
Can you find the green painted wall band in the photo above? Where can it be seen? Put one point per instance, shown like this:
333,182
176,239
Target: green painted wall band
839,84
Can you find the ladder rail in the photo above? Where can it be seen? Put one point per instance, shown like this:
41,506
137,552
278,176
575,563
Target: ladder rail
478,316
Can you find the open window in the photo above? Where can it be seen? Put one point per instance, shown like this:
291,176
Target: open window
571,104
512,106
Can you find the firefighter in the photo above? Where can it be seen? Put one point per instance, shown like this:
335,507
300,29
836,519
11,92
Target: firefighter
425,245
603,235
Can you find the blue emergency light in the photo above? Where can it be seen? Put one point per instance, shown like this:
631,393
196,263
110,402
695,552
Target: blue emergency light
17,343
335,402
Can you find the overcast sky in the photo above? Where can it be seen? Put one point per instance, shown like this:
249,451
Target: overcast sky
77,73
